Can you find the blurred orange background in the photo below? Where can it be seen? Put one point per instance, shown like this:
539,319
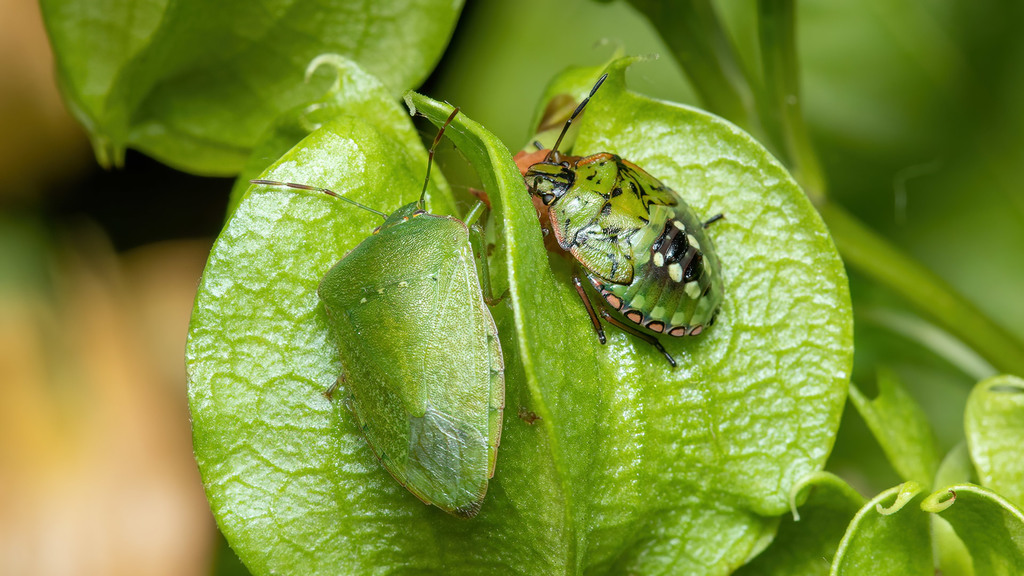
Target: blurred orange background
96,468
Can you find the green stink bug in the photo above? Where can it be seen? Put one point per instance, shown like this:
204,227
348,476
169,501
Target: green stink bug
642,248
420,352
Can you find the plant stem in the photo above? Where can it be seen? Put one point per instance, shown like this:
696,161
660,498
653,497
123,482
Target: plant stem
870,254
700,45
782,113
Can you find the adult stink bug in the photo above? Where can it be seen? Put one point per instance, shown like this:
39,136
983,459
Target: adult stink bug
420,352
642,248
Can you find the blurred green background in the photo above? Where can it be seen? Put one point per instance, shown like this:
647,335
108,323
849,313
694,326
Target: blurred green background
915,108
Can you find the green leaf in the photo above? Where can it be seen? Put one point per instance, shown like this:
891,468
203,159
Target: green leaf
991,527
355,93
888,536
808,539
289,478
631,466
901,427
195,83
774,374
717,433
994,423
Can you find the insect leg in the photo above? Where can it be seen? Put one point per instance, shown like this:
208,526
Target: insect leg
713,219
483,271
645,337
590,308
474,213
329,393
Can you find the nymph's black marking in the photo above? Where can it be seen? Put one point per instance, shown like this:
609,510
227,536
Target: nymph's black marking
674,246
696,268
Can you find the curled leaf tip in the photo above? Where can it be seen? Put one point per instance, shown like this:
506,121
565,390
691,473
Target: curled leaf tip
907,492
799,489
410,103
939,501
794,510
336,61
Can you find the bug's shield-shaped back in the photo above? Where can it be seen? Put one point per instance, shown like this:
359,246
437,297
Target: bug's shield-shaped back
585,223
418,348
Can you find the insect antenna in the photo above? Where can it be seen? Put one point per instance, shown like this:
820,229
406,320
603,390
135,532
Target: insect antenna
316,189
572,117
430,157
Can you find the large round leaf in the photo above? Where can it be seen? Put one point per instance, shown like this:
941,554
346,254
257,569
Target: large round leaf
632,467
680,467
283,470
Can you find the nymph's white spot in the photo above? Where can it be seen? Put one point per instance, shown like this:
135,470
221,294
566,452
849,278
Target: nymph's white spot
692,289
693,241
658,313
675,272
638,301
659,259
678,318
679,225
